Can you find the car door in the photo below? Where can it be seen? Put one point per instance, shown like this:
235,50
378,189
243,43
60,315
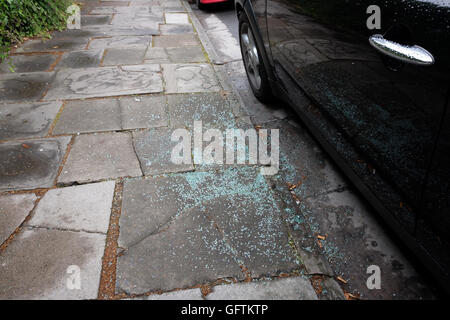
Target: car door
388,106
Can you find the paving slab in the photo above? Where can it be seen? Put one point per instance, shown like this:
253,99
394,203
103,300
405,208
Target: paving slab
351,227
82,116
190,252
154,149
31,164
80,59
174,29
210,108
297,288
178,40
237,200
24,87
27,120
100,156
190,294
81,208
175,55
121,9
144,112
120,42
185,78
106,81
124,56
36,265
28,63
144,29
177,18
55,44
137,19
13,210
90,20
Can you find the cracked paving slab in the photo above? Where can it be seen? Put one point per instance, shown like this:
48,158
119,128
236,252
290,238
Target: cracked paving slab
106,81
31,164
351,227
35,265
24,87
13,210
82,208
175,55
186,78
27,120
100,156
190,252
237,200
154,150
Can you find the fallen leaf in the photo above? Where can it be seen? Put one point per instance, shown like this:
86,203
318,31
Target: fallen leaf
350,296
25,146
321,237
341,279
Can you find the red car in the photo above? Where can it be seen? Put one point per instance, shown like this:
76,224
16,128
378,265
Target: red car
201,3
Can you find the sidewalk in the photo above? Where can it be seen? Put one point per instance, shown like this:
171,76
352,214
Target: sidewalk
88,189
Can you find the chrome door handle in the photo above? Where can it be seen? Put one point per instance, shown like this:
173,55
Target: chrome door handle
409,54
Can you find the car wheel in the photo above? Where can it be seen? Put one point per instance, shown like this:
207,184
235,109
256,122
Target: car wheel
200,6
253,62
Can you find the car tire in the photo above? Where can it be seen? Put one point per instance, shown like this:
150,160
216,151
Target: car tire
253,61
200,6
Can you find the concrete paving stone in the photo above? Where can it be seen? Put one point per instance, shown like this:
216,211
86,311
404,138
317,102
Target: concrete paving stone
331,290
210,108
55,44
250,219
144,112
124,56
13,210
100,156
175,29
296,288
36,265
185,78
141,19
68,34
186,55
28,63
144,29
175,55
177,18
81,208
352,227
88,20
82,116
80,59
24,87
154,148
120,42
189,294
237,200
31,164
105,81
157,55
190,252
176,40
121,10
304,164
27,120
